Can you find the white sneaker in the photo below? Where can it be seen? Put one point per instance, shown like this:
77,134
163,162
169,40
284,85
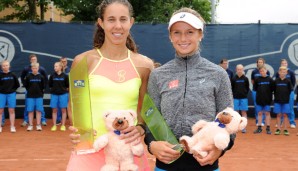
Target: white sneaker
13,129
38,128
0,129
293,126
262,124
24,124
30,128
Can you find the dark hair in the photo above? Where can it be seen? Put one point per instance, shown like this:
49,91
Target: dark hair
32,55
283,60
261,59
223,60
99,35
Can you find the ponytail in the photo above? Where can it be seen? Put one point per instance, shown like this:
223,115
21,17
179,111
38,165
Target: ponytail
98,37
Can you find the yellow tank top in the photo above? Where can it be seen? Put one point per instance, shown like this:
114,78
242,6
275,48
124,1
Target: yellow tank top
114,85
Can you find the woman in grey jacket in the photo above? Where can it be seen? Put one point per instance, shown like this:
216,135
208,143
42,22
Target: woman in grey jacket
187,89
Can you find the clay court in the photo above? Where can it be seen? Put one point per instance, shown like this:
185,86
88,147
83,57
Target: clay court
49,151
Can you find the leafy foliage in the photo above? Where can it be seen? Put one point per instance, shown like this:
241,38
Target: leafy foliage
23,10
82,10
159,11
146,11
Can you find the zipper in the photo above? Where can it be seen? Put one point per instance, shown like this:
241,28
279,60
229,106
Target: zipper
185,82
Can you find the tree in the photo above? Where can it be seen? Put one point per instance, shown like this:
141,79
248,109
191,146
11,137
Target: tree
159,11
24,10
147,11
81,10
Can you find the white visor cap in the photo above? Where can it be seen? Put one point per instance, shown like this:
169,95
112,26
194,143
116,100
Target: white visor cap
188,18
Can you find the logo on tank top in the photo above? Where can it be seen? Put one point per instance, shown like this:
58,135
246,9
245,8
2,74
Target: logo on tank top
121,75
173,84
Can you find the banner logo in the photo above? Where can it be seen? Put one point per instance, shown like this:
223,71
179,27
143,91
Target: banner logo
295,46
293,52
7,49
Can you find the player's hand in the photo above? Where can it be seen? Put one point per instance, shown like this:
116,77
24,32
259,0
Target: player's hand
213,154
163,151
131,135
74,137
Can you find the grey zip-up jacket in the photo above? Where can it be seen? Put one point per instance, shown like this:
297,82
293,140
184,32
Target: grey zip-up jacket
186,90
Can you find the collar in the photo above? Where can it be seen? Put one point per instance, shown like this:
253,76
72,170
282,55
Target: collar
189,55
220,124
192,59
117,132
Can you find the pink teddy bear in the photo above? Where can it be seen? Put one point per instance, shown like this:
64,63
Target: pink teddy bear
118,154
217,132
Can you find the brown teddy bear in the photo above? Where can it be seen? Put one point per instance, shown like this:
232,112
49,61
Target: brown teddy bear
118,154
217,132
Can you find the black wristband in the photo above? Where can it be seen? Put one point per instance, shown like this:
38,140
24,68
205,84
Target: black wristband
148,139
143,127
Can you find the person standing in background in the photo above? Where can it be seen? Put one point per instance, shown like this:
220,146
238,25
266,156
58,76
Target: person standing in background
282,90
290,76
27,70
263,86
8,86
66,70
240,88
224,63
58,84
64,62
254,75
34,84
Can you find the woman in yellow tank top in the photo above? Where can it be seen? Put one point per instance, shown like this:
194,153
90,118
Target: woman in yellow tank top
118,78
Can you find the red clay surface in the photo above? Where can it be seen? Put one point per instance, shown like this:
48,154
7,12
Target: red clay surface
50,151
